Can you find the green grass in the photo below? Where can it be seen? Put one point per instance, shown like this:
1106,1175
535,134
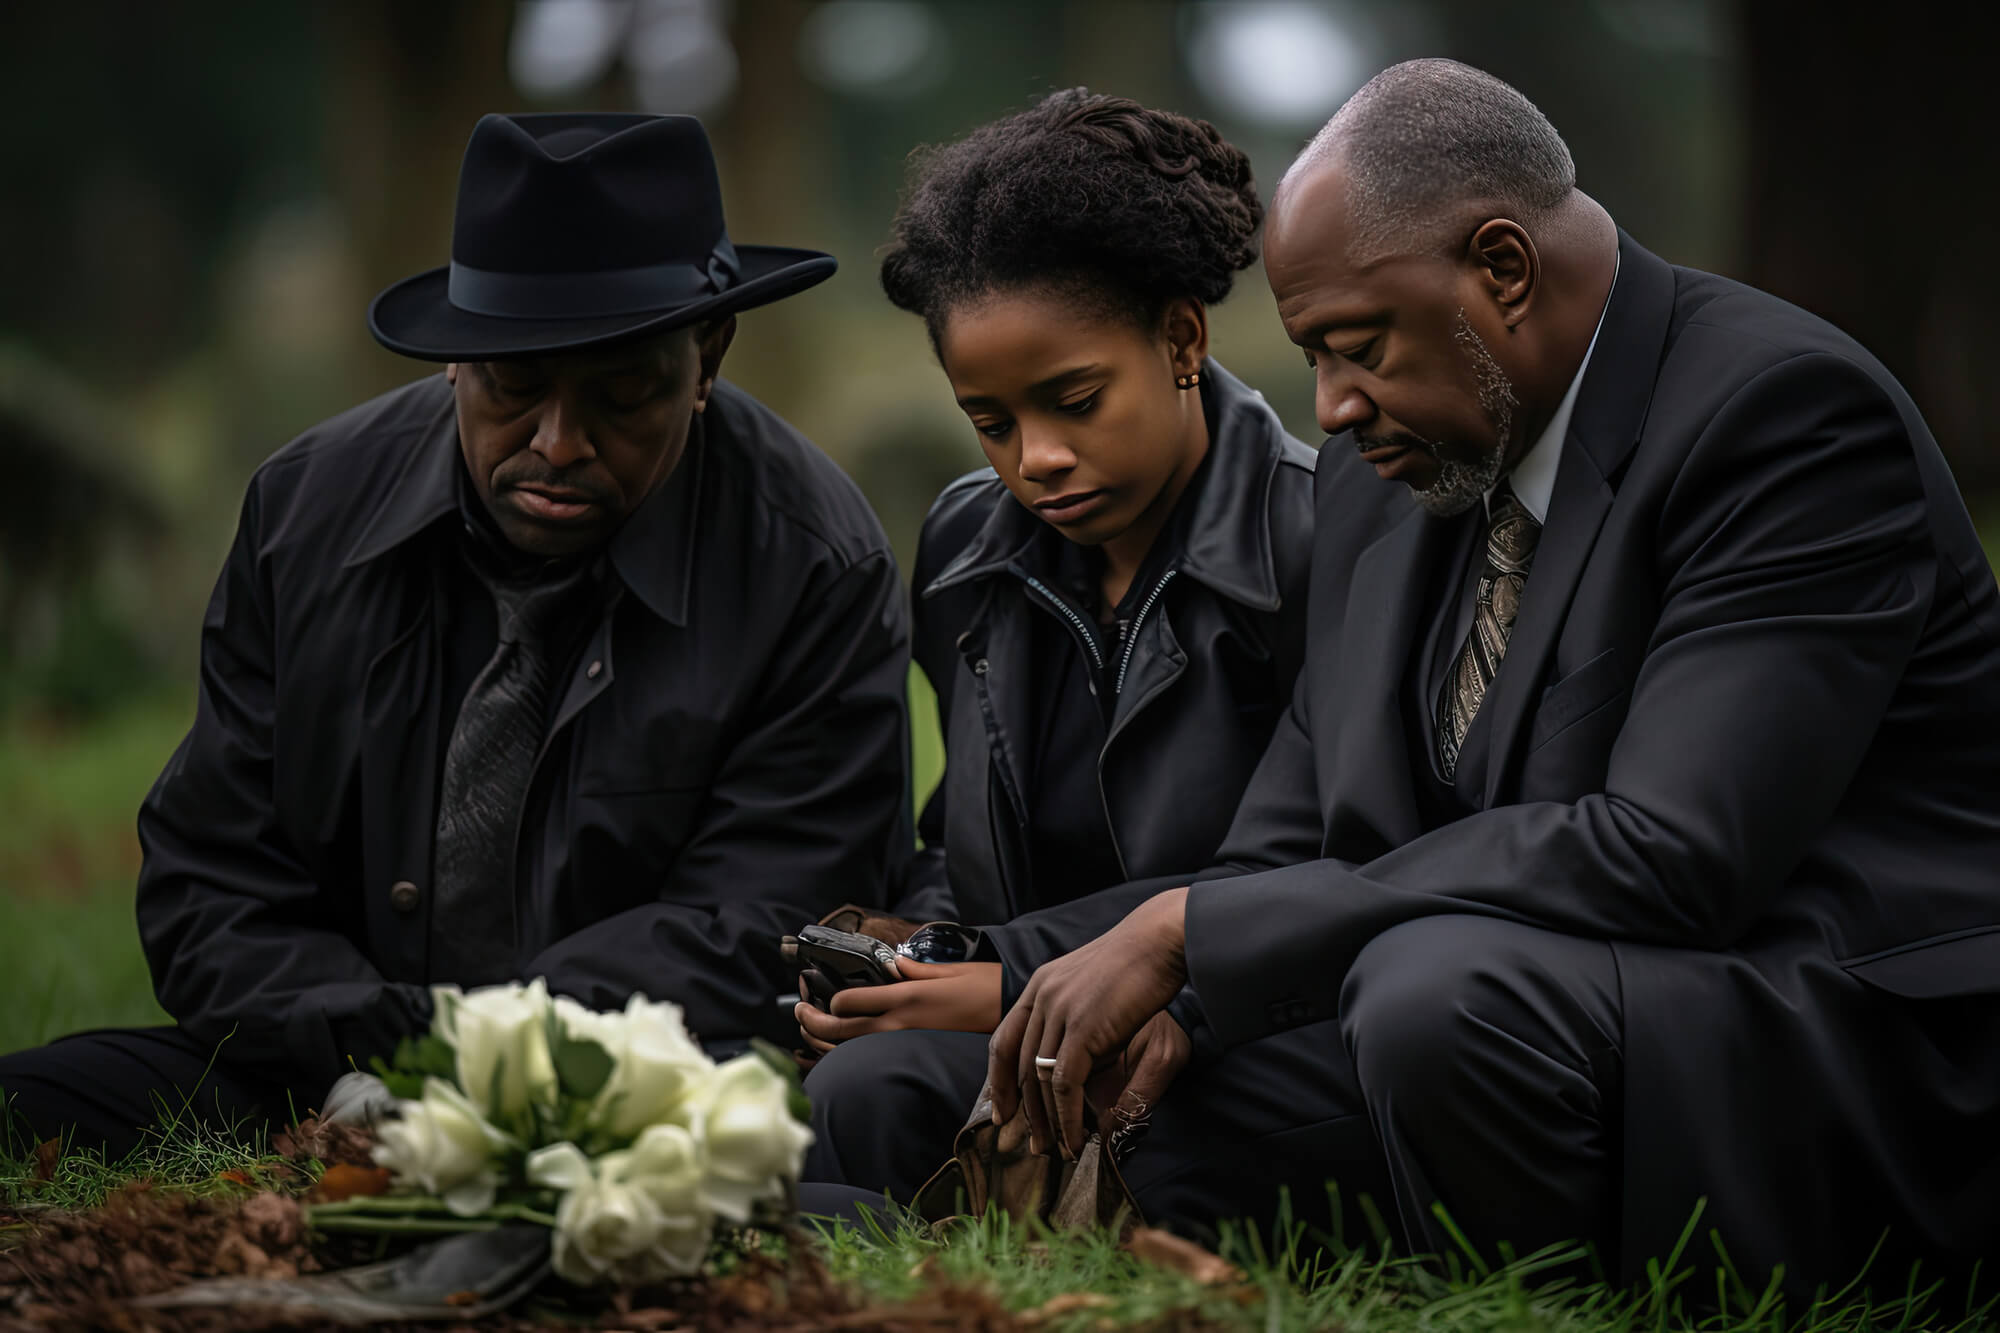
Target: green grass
68,853
1293,1280
179,1155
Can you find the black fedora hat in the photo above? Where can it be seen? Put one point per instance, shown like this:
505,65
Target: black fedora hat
574,230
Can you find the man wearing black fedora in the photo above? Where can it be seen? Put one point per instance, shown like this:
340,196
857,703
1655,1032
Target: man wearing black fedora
572,662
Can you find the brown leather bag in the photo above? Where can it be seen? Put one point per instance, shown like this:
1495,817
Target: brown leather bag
891,930
991,1166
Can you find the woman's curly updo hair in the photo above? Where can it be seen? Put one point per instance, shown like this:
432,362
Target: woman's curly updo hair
1096,197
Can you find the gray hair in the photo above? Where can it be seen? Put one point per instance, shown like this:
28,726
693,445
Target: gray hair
1425,135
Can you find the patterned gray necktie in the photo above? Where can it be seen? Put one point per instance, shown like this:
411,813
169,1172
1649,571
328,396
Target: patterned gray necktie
487,768
1511,534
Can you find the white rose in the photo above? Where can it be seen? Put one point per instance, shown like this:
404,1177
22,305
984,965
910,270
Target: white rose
442,1145
752,1145
606,1227
665,1164
500,1035
631,1216
654,1061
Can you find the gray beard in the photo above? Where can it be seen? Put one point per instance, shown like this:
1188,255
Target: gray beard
1461,483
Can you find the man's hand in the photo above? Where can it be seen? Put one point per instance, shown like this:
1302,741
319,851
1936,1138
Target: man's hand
941,997
1131,1086
1082,1010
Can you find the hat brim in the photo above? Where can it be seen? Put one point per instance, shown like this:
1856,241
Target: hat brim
414,318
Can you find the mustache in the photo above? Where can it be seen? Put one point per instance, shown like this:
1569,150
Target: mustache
530,472
1399,440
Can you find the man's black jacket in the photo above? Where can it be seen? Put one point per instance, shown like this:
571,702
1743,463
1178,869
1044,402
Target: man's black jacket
1207,669
726,760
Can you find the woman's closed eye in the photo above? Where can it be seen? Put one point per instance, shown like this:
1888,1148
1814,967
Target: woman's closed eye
993,430
1078,407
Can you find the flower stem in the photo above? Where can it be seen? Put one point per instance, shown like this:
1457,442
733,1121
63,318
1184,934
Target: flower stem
414,1213
401,1225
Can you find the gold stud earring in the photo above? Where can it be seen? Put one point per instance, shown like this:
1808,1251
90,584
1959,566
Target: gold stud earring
1188,381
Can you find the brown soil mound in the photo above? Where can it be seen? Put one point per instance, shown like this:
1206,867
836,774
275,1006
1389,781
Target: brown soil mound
77,1271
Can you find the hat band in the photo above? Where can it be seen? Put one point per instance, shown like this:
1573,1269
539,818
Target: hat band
601,292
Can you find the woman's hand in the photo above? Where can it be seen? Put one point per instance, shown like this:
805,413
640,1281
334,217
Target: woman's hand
940,997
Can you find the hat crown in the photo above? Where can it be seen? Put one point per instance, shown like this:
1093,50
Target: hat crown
586,192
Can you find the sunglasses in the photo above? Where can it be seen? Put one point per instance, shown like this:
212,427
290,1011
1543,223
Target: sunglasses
941,942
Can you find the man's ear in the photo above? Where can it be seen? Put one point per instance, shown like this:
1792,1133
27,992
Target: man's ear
451,373
711,343
1185,326
1507,266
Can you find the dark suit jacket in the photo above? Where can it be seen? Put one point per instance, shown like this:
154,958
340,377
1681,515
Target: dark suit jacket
1747,729
727,760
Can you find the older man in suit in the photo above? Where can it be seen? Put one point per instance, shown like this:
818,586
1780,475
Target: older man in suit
1633,836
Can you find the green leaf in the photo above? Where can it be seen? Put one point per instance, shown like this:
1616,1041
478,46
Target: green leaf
583,1067
433,1055
781,1062
400,1083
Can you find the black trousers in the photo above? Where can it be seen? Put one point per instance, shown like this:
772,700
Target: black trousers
1476,1064
104,1090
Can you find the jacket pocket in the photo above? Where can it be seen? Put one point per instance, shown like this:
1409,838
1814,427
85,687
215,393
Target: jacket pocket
1964,962
1576,696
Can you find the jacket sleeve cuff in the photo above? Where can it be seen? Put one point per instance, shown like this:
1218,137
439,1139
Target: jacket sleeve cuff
1256,980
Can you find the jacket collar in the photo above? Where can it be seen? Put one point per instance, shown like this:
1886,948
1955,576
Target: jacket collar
1227,543
1617,389
653,551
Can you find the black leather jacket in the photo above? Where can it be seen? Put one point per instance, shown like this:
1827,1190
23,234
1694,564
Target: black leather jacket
1212,661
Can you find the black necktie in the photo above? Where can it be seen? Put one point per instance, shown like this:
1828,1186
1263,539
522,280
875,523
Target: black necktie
1511,534
487,768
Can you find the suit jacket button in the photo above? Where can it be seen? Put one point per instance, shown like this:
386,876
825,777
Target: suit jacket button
403,896
594,670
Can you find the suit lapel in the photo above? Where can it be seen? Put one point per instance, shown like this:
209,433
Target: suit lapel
1371,779
1610,415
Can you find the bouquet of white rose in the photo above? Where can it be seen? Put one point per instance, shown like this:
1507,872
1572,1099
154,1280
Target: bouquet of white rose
614,1129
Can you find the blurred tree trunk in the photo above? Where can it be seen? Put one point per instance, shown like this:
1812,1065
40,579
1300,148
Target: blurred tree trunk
407,81
771,154
1871,196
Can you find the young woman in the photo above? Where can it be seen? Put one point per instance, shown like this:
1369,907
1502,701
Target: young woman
1112,614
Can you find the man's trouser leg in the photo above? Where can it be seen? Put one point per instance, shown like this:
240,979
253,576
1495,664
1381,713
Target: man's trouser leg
1489,1056
1268,1120
1475,1064
105,1089
887,1107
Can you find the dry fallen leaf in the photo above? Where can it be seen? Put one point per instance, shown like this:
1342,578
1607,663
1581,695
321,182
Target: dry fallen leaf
237,1178
47,1153
649,1320
350,1182
1163,1249
1067,1303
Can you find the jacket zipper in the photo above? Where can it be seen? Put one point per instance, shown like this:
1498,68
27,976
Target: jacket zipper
1132,634
1083,634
